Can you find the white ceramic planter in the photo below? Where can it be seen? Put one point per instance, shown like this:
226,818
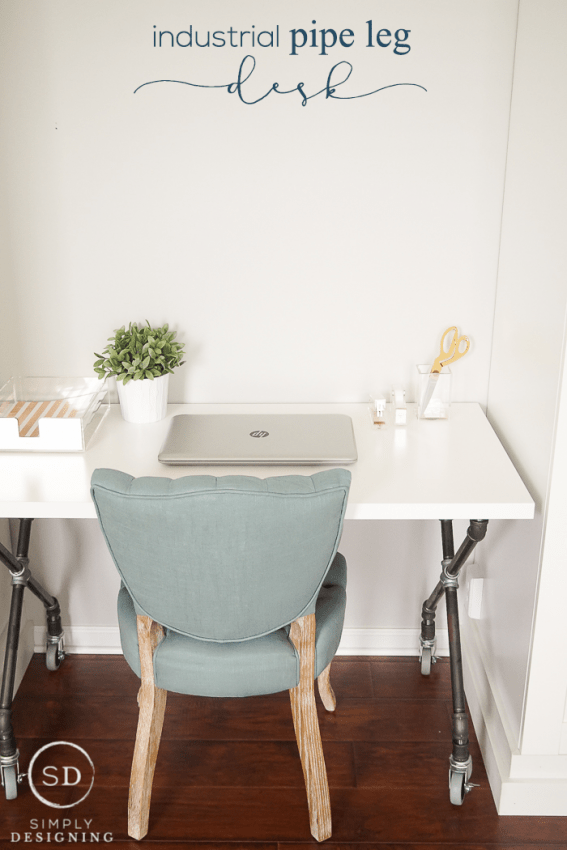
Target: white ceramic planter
144,401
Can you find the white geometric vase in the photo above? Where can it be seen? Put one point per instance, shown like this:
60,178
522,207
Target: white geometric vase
144,401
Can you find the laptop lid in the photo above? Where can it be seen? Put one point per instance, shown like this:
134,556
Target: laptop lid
259,438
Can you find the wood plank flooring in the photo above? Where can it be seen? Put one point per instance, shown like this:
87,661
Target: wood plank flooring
228,774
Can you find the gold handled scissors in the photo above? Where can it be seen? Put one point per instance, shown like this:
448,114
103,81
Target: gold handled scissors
453,351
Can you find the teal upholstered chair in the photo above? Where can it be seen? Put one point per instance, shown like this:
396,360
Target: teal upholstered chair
231,586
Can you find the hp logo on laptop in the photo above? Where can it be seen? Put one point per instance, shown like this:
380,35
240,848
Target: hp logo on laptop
259,433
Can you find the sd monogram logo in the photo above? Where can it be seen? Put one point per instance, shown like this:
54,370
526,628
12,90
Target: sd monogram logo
67,767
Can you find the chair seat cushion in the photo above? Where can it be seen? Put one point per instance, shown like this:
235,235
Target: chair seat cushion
236,669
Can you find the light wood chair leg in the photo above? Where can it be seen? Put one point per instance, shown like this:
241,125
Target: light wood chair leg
306,723
150,722
326,691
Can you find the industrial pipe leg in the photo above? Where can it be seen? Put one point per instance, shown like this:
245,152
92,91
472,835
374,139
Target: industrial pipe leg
9,754
460,762
9,765
427,637
22,578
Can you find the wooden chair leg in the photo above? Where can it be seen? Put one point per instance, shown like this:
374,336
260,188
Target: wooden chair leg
307,731
326,691
150,721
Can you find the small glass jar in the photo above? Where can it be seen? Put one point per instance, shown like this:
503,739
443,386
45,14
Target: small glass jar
433,393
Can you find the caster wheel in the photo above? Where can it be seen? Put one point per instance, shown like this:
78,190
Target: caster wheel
10,782
54,656
426,660
459,785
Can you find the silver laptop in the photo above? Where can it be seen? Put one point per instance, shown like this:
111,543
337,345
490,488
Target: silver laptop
259,438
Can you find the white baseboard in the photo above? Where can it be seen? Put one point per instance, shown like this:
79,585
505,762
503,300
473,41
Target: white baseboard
84,640
105,640
388,642
521,785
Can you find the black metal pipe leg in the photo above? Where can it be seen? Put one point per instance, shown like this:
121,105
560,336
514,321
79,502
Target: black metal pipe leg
460,722
18,566
427,636
7,741
23,547
9,755
460,762
447,539
21,578
428,610
54,653
9,560
50,603
52,607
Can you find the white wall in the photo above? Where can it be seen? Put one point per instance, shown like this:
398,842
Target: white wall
10,344
516,649
304,253
284,242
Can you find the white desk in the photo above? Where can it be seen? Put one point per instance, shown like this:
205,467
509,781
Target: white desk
443,470
454,468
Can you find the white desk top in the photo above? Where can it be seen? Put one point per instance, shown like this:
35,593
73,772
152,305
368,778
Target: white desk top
444,469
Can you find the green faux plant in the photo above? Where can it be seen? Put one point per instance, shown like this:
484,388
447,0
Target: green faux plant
139,352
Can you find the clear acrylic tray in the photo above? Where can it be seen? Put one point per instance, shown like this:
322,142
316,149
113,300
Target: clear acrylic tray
50,414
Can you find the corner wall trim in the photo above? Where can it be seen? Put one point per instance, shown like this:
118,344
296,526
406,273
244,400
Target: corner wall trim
521,785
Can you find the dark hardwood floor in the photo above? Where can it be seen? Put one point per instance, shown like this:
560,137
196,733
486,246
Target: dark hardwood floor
228,774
